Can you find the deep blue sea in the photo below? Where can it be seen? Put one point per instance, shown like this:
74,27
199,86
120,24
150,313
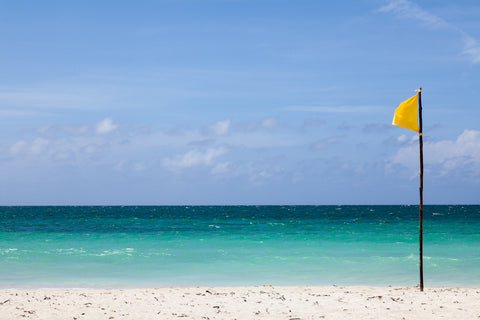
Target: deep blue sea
123,247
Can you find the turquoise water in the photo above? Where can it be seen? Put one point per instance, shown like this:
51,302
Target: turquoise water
237,245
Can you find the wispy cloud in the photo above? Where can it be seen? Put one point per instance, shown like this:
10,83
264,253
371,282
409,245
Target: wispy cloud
269,123
193,158
472,48
103,141
65,143
323,143
106,126
260,172
219,128
58,149
410,10
222,168
18,147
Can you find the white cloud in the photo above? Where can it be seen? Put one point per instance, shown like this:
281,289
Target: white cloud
402,138
139,166
61,149
106,126
36,147
194,158
410,10
18,147
220,128
44,130
445,156
120,166
64,143
39,145
269,123
90,148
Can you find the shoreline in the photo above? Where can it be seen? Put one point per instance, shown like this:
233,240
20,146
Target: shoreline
252,302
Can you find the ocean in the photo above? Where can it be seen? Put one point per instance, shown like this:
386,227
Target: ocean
163,246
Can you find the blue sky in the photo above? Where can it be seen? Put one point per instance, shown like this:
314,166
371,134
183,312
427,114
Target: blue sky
237,102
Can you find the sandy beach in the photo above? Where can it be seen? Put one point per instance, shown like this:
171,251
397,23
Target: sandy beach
262,302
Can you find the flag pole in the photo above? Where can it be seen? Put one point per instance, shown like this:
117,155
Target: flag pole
406,116
420,136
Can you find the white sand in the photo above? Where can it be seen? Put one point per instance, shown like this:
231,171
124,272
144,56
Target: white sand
291,303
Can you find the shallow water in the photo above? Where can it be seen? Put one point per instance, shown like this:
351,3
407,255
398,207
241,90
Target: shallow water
237,245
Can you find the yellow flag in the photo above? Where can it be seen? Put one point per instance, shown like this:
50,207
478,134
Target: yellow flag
406,115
